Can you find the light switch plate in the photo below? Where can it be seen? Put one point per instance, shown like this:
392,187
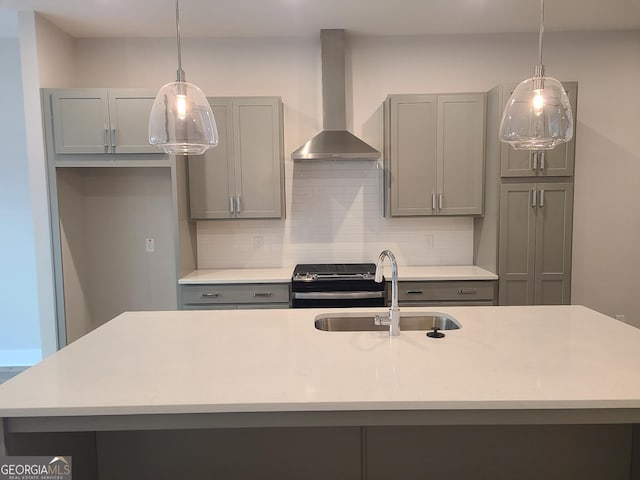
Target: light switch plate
150,245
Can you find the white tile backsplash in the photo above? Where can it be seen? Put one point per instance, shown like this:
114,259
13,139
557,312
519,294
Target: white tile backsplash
334,214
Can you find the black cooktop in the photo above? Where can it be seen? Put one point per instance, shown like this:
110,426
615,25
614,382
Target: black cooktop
335,268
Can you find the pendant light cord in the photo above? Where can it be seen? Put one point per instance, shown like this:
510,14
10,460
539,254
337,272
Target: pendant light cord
180,72
541,32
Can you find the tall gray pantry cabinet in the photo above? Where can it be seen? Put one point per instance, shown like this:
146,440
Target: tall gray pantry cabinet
113,204
525,235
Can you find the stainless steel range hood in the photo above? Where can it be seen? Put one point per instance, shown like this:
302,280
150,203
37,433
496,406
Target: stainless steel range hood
335,142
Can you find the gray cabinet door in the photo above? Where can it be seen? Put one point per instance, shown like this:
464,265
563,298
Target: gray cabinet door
517,244
258,157
211,176
129,111
412,165
81,121
535,244
460,154
560,161
553,243
557,162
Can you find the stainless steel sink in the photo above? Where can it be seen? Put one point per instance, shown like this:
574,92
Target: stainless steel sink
363,322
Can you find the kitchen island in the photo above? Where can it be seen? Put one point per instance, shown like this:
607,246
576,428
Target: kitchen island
517,392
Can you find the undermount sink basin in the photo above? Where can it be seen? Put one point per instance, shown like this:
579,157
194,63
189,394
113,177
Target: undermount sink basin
363,322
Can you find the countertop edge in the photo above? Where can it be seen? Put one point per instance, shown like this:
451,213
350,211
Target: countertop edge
283,275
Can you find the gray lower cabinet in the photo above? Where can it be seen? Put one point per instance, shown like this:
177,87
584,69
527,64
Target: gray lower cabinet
445,293
235,296
434,154
535,243
551,163
101,121
243,177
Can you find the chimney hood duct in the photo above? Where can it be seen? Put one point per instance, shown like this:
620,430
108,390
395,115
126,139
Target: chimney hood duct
334,142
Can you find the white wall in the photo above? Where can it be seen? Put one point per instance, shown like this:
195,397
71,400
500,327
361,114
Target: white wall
607,158
19,325
46,55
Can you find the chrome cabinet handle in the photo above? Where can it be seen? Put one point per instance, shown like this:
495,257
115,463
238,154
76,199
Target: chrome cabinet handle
534,156
231,204
541,204
433,201
238,209
210,295
440,201
542,154
462,291
262,294
534,196
105,139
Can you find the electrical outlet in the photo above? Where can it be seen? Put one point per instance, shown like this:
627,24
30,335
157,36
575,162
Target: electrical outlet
428,240
150,245
258,242
620,317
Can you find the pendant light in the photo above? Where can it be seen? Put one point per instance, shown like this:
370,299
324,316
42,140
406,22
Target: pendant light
181,120
538,114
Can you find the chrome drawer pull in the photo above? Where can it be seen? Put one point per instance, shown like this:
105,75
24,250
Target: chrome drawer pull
262,294
414,292
466,292
208,295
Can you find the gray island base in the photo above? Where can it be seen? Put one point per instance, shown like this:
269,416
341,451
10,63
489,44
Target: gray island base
517,392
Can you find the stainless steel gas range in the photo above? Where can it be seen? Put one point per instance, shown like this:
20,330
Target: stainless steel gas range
336,285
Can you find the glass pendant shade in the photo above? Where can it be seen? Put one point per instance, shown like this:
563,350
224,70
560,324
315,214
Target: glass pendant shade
537,116
181,120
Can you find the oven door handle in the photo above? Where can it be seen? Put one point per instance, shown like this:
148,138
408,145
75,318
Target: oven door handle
336,295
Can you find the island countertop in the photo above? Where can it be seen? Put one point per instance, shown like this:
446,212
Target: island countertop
203,362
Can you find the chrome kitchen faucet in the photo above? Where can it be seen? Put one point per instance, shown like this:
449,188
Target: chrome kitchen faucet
393,319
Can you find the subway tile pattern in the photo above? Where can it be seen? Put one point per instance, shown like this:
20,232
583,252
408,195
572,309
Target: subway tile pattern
334,215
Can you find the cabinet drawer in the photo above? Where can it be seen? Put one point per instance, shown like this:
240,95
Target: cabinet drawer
235,293
454,291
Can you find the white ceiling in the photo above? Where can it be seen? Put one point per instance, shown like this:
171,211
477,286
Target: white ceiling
257,18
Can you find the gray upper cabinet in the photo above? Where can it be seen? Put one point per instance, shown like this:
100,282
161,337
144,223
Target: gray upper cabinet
558,162
535,243
434,154
243,177
101,121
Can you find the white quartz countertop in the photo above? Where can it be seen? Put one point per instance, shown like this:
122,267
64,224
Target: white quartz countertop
283,275
543,357
238,275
